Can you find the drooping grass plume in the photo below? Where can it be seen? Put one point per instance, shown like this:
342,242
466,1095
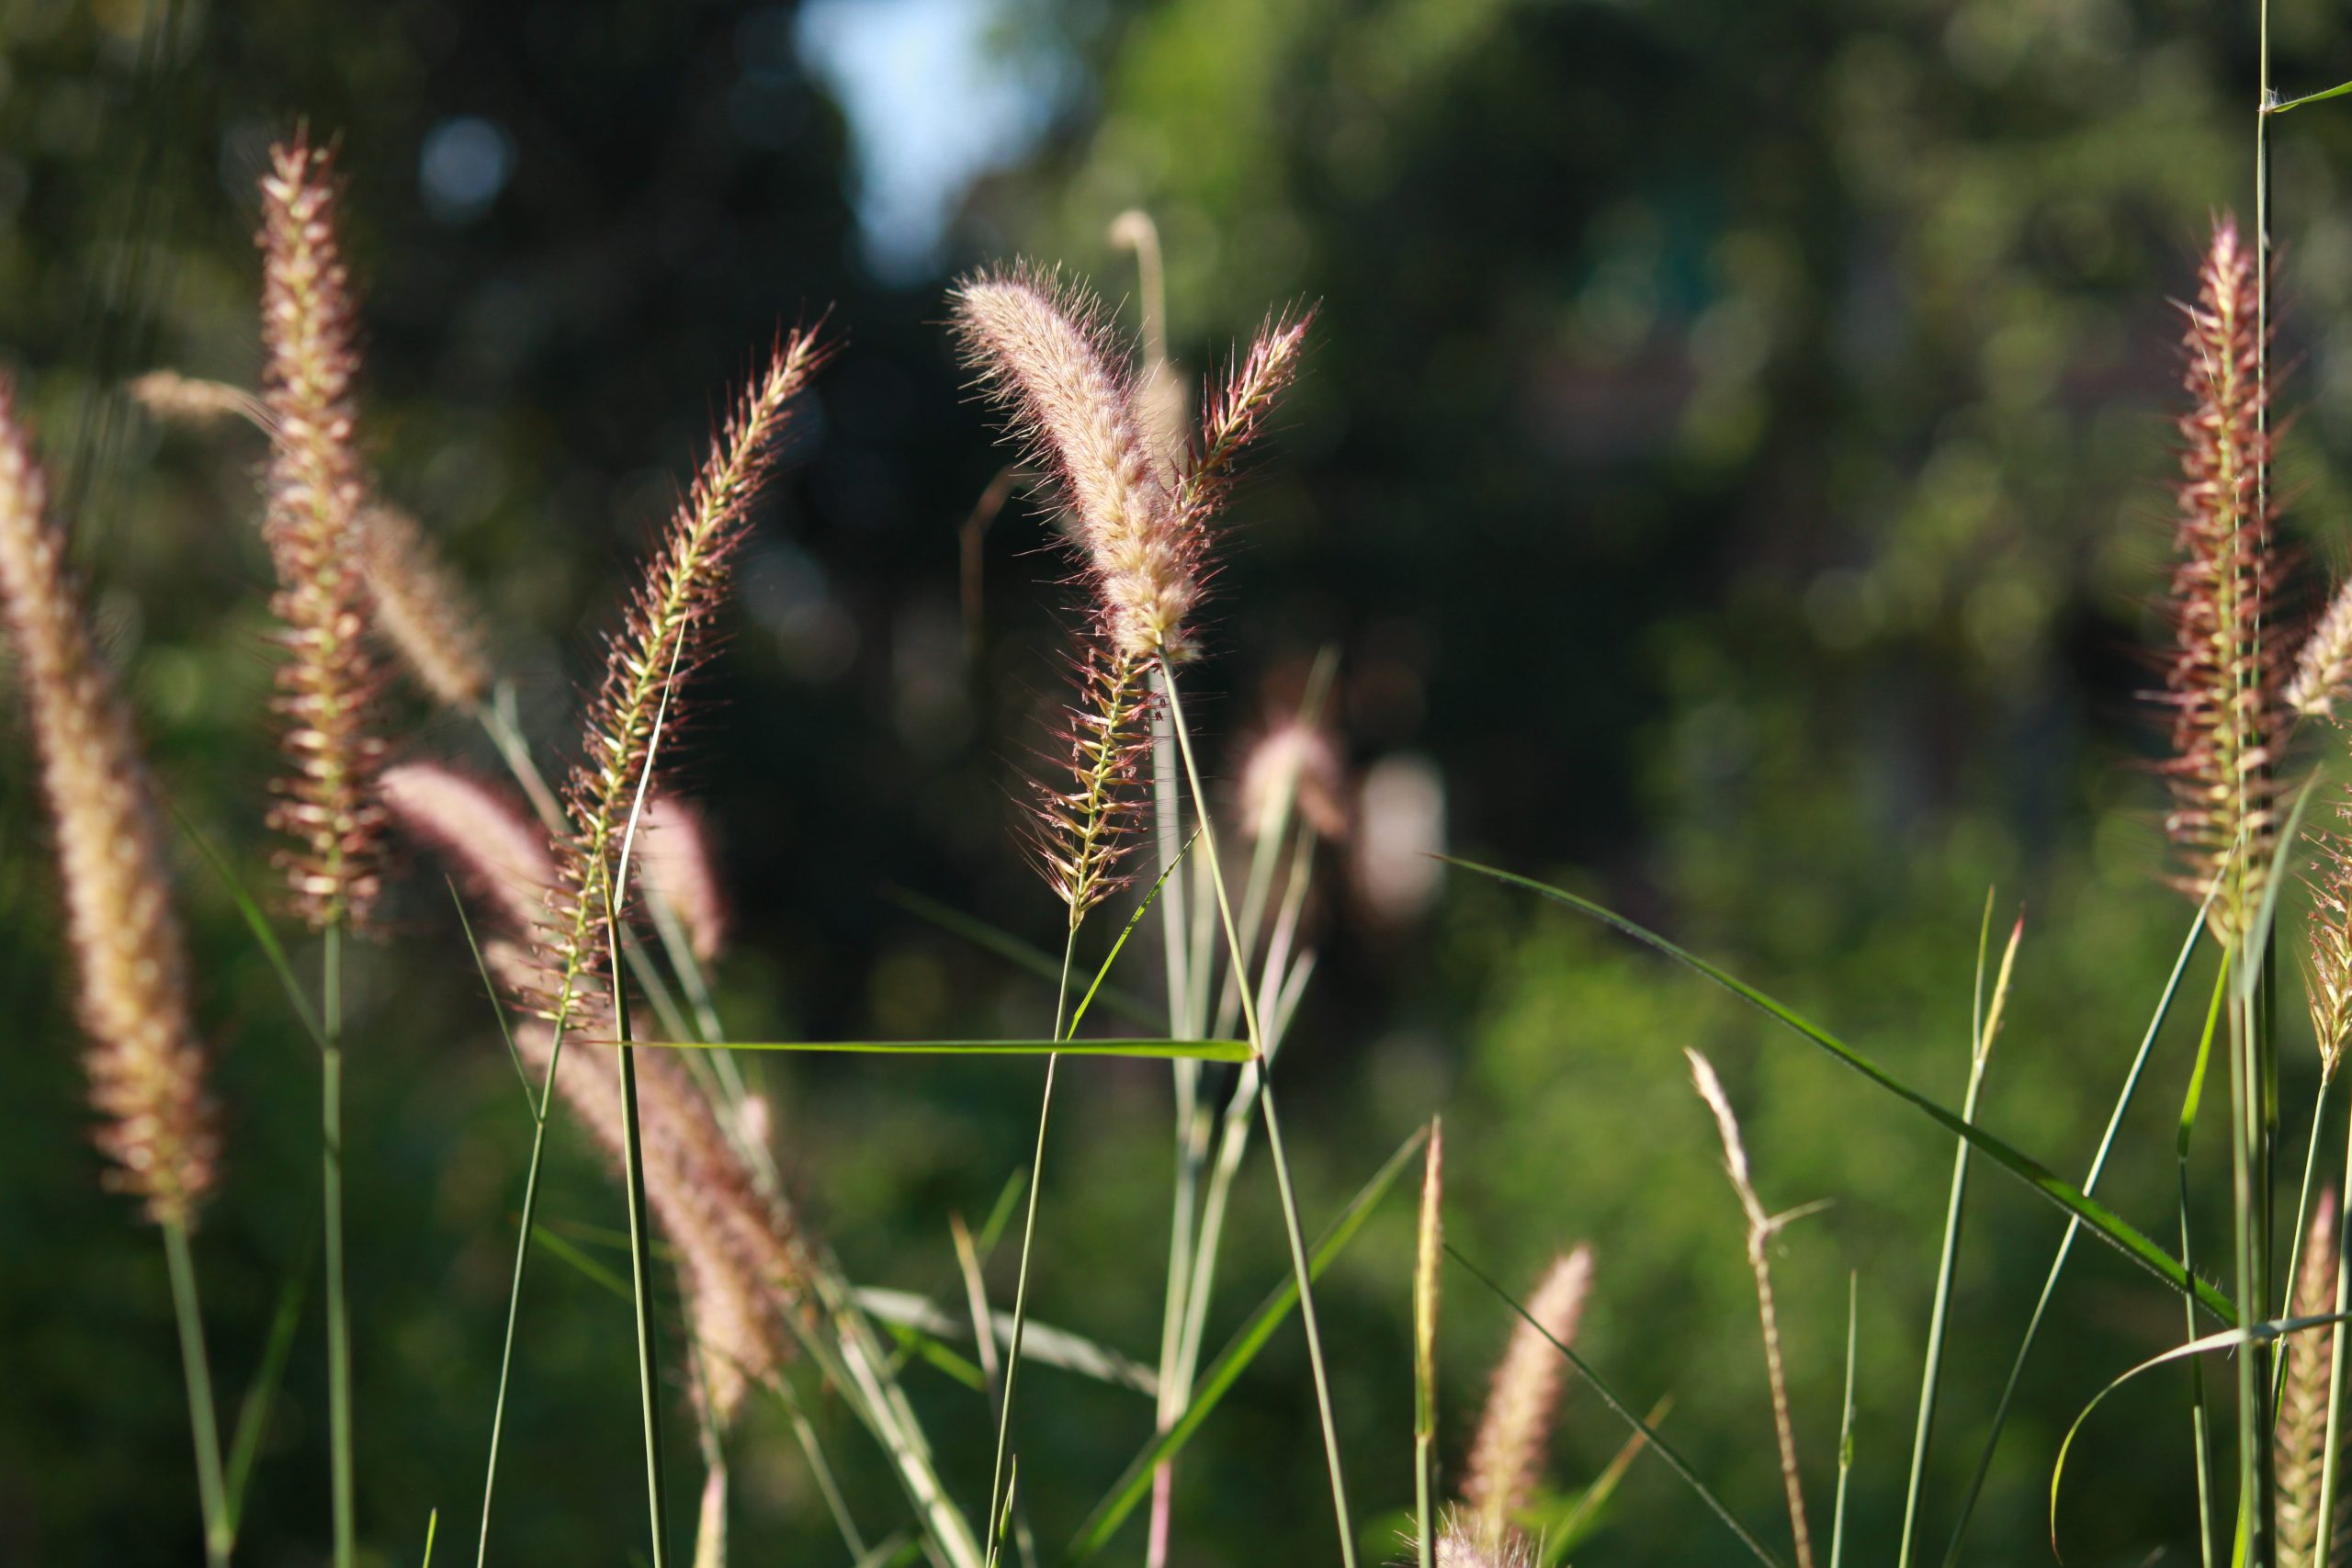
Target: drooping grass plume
1293,766
678,866
2303,1396
146,1066
2223,684
1085,821
1761,1228
422,610
327,683
664,638
1047,354
501,853
2327,966
168,395
1515,1428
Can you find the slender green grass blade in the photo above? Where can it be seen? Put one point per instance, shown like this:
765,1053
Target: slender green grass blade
2109,1225
1234,1360
1079,1016
2319,97
2250,977
432,1527
253,1412
2123,1099
258,924
1005,945
894,1552
1846,1425
2224,1340
1582,1517
1648,1431
1193,1050
1041,1342
593,1272
925,1348
522,1073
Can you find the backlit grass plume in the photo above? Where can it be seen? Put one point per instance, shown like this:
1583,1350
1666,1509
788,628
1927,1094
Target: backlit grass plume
501,854
2223,684
2302,1396
421,610
663,638
676,854
1515,1428
146,1068
327,683
1046,353
2327,966
1462,1545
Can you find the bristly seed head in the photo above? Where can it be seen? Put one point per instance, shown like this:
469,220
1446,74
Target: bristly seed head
2301,1437
146,1068
1515,1428
1084,826
327,684
2327,966
2224,685
422,610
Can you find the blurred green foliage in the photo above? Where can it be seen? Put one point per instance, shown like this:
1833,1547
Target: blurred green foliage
1734,457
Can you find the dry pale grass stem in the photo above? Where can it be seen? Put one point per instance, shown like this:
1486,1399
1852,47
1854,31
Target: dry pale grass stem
501,853
680,869
662,641
1294,763
422,610
189,400
1515,1428
2327,966
2224,685
2302,1396
327,684
146,1066
1761,1228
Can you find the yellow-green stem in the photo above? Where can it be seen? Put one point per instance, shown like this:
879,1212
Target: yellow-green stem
211,1493
338,1315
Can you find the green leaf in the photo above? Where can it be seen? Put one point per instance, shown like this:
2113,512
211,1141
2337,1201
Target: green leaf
593,1271
1648,1431
253,1414
1234,1359
258,923
1195,1050
2113,1227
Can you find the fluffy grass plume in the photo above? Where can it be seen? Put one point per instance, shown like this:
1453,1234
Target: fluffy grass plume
146,1066
420,609
327,683
2302,1396
2223,684
663,638
2324,666
675,851
1462,1545
1515,1428
501,855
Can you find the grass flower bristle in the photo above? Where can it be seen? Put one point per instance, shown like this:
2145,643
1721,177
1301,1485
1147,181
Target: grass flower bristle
1515,1428
1460,1545
2302,1396
146,1066
664,636
2327,966
1085,824
327,683
2224,685
1047,354
1237,414
422,610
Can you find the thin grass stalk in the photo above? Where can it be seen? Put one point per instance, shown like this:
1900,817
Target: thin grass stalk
640,1251
2123,1099
337,1303
1299,1264
2200,1412
1425,1301
2254,1425
220,1531
1028,1235
1947,1265
2302,1215
1191,1124
1844,1428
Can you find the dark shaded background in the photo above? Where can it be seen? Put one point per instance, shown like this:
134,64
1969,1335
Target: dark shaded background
1733,459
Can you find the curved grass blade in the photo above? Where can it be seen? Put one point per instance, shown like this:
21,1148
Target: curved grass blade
1040,1342
1846,1425
253,1412
2111,1226
2222,1339
1142,908
1005,945
2250,978
257,923
1191,1050
1221,1374
522,1074
1609,1396
2074,1227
